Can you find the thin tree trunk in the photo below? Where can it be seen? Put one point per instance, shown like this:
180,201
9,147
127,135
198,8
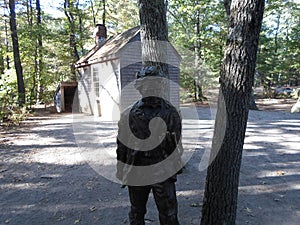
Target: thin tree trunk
93,12
39,49
237,74
227,4
68,6
197,52
103,12
29,12
2,66
276,76
17,60
29,15
252,103
6,44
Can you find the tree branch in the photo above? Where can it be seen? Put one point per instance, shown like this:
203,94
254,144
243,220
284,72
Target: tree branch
227,4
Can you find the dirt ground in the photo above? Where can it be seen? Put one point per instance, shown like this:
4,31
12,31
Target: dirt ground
45,180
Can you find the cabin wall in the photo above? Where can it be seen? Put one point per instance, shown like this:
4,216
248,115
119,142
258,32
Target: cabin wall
108,98
85,96
130,59
131,63
112,90
98,90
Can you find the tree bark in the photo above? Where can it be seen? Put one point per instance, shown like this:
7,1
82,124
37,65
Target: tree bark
7,59
17,60
68,7
2,66
93,12
33,89
154,34
227,4
103,12
236,80
39,50
197,51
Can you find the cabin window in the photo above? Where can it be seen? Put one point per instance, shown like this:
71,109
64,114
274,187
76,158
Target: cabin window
96,81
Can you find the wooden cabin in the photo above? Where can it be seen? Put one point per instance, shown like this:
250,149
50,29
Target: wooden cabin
107,74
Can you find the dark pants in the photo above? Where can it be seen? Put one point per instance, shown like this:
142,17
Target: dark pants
165,198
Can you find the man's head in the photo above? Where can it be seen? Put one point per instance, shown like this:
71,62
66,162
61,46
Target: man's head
149,81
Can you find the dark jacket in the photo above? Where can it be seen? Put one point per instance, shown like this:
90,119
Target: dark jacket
131,139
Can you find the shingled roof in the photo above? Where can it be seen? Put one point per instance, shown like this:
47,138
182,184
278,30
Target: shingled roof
109,49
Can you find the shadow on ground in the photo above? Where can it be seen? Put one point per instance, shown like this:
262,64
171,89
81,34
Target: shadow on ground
44,180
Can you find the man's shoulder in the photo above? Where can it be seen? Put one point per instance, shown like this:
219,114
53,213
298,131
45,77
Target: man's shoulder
129,109
170,107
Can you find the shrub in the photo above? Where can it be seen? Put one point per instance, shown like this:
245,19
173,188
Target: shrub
10,112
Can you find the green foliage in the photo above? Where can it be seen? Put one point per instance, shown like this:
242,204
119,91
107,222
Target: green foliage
279,52
47,64
121,15
10,112
279,55
208,42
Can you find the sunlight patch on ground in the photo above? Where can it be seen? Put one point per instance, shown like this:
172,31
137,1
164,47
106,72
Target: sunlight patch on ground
289,151
254,154
22,186
265,188
59,157
278,173
189,193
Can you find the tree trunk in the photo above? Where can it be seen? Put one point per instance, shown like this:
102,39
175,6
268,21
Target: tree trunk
103,12
276,75
17,60
93,13
2,66
6,44
236,80
39,50
33,88
68,7
154,34
252,103
197,52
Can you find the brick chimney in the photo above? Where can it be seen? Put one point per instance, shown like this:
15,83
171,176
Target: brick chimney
100,34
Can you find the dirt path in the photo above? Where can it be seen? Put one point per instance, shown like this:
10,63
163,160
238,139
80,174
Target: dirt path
45,180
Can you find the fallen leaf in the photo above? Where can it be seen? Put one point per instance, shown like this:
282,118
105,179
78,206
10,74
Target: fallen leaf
93,208
196,205
61,218
280,173
76,221
248,210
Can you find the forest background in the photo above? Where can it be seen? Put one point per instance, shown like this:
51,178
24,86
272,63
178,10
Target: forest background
52,37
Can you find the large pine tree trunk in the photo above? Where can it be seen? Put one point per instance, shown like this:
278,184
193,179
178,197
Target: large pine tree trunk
237,74
154,33
17,60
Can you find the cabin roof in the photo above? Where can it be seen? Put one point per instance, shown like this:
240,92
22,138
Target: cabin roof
108,50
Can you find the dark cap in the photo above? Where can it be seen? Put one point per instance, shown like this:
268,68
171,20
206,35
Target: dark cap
148,71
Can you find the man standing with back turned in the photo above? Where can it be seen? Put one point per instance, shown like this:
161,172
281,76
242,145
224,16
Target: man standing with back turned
149,150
